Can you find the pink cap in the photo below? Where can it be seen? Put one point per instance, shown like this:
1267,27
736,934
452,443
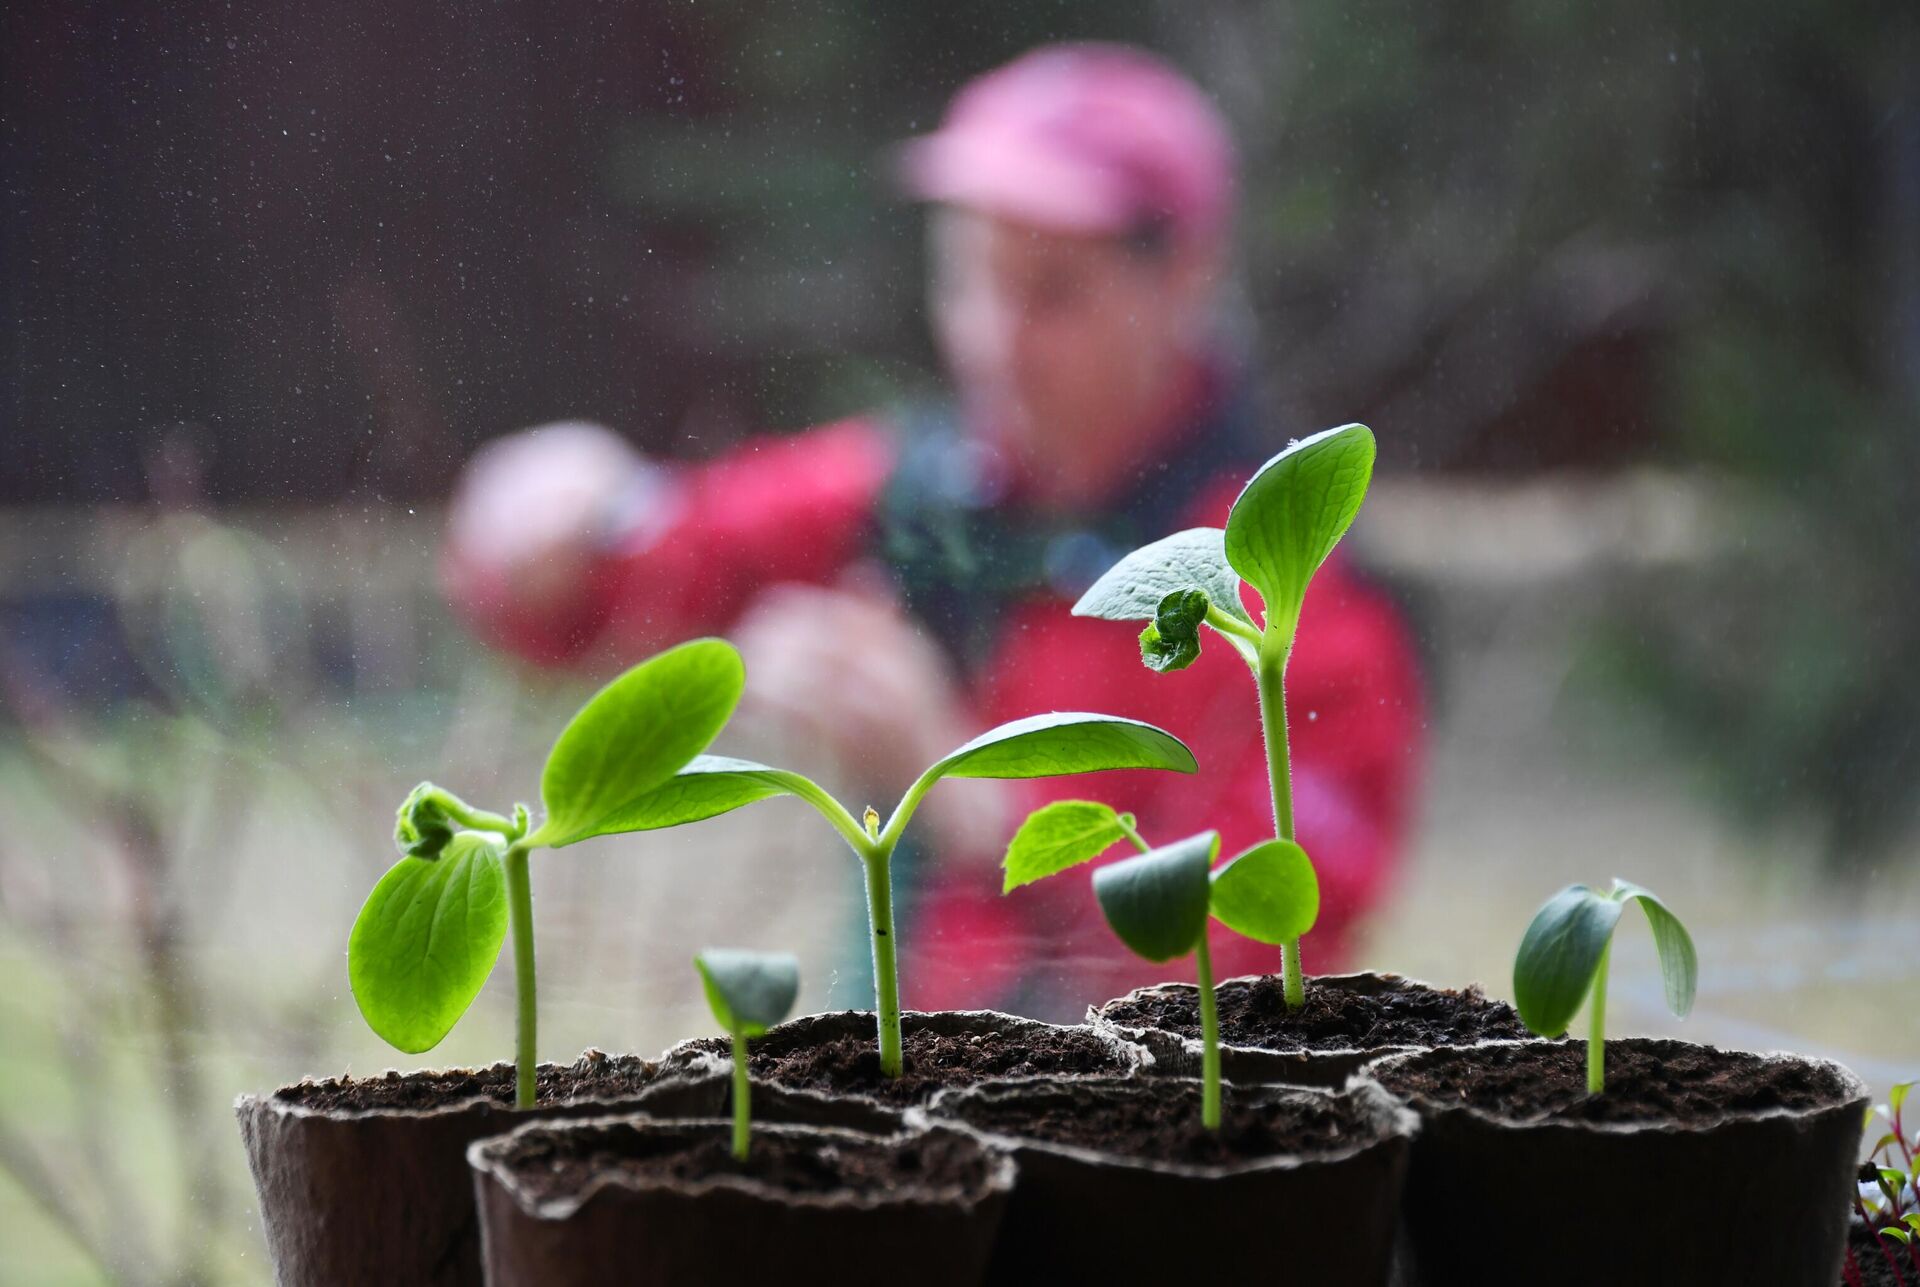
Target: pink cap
1081,138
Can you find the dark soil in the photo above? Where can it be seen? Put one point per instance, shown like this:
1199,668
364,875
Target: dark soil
561,1163
1660,1081
1160,1121
1253,1013
594,1076
1872,1264
931,1060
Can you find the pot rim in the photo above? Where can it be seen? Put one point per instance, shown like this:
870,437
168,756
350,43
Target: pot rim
656,1072
1852,1087
1396,1121
483,1157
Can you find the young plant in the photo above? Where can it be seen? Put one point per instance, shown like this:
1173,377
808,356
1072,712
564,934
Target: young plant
1563,960
430,932
748,992
1039,746
1284,524
1888,1201
1158,902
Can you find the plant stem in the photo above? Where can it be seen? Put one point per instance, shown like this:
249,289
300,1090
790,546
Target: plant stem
1270,677
741,1098
1127,830
1209,1037
1597,1025
520,918
886,973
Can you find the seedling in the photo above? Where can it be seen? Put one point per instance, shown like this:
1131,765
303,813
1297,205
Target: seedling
1563,960
1038,746
749,992
1158,902
1284,524
430,932
1888,1200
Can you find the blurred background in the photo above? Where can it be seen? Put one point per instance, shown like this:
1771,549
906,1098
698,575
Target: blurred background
1631,293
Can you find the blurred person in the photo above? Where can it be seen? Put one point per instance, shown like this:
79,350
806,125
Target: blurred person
900,581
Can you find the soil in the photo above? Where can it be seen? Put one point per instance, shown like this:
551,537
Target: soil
594,1076
1254,1014
930,1060
1872,1263
1160,1121
1665,1082
798,1161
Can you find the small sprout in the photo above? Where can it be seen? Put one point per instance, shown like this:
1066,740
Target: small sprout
1284,524
748,992
1563,960
1888,1197
430,932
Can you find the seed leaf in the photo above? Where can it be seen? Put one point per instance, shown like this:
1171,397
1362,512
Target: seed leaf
634,734
1269,893
1172,642
1157,903
1133,588
1044,746
748,991
707,787
1897,1094
1292,513
1060,835
426,939
1897,1233
1679,965
1554,969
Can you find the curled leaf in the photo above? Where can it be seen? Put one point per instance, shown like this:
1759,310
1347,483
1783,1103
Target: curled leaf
1172,642
423,827
748,992
1157,903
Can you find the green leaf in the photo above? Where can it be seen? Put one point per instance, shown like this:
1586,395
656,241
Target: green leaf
1911,1220
426,939
1157,903
1897,1094
1044,746
1172,642
636,733
1060,835
748,991
1133,588
1554,969
1269,893
1897,1233
707,787
1679,965
1292,513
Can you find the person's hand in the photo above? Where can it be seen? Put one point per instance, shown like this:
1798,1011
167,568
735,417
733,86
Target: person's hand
528,510
845,670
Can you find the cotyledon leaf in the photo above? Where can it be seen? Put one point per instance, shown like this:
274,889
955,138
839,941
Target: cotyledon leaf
1133,588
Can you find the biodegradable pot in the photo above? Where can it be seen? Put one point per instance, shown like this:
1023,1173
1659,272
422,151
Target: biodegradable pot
1324,1215
364,1181
641,1202
1424,1015
827,1066
1695,1165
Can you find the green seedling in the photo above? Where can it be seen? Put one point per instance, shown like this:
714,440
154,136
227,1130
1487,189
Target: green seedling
1563,961
1284,524
748,992
430,932
1158,902
1888,1198
1039,746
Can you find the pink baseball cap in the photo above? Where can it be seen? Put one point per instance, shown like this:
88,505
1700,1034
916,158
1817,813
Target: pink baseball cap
1082,138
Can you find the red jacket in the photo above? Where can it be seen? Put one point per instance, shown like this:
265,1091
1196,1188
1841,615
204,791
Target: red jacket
801,508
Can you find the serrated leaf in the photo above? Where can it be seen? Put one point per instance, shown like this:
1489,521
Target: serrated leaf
1172,642
707,787
1554,968
748,992
1268,893
426,939
1291,514
1044,746
1133,588
634,734
1679,965
1060,835
1157,902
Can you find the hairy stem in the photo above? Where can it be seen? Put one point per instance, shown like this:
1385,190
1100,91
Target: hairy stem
886,973
1271,679
742,1116
1597,1025
1209,1036
520,919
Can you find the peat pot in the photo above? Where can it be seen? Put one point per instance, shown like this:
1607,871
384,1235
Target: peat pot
1348,1021
1119,1182
365,1180
824,1069
1694,1166
640,1202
